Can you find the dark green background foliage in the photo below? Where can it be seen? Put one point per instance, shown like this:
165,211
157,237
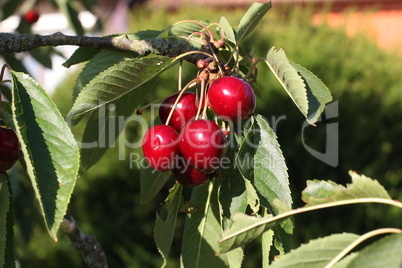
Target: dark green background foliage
365,80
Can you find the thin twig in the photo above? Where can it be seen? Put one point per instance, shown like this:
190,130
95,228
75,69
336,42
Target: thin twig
91,251
12,43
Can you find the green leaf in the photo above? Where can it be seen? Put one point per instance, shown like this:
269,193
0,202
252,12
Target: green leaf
83,54
202,230
49,148
8,8
232,193
166,222
288,78
267,239
43,56
321,192
117,81
5,91
362,190
6,115
101,62
71,15
183,29
151,182
345,262
107,124
317,93
245,228
16,64
261,161
6,223
317,253
80,55
387,252
142,35
227,30
270,171
251,19
252,197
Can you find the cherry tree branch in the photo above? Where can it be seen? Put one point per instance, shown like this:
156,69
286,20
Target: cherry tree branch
12,43
91,251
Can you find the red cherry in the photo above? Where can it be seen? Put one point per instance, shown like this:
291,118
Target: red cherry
9,148
231,98
203,144
31,16
185,111
160,147
187,175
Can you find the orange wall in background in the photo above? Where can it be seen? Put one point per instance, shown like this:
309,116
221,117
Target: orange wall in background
382,23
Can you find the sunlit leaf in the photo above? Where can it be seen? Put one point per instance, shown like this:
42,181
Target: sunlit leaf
100,62
117,81
387,252
317,93
108,124
266,242
227,30
362,190
317,253
319,192
244,229
50,151
261,161
289,78
251,19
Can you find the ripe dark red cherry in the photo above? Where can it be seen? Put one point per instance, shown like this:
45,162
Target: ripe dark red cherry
202,144
187,175
9,148
185,111
31,16
231,98
160,147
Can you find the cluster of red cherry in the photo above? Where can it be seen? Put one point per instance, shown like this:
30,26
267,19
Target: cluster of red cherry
192,148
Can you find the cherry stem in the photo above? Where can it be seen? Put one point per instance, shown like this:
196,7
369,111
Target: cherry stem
222,29
4,81
180,74
193,52
206,102
215,57
189,85
253,69
360,240
236,64
3,69
201,100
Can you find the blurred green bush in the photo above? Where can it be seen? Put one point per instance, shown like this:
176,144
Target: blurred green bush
365,81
